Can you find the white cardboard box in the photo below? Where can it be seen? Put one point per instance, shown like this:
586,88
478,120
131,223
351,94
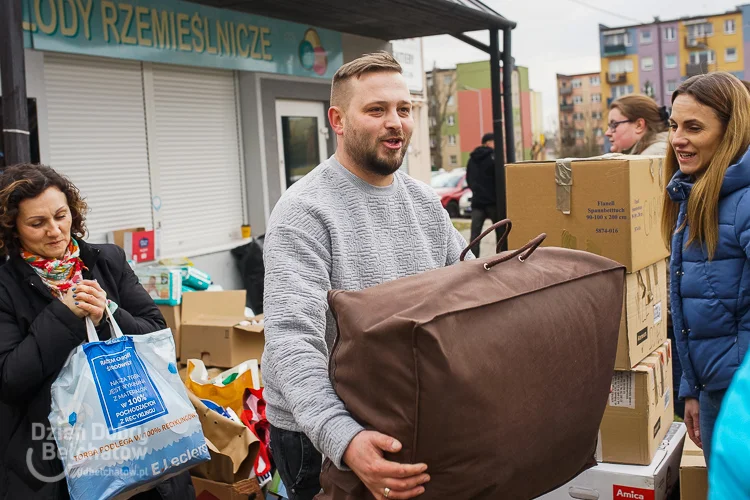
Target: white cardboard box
629,482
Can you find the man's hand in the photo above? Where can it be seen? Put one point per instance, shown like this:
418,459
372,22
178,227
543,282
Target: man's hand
692,421
365,457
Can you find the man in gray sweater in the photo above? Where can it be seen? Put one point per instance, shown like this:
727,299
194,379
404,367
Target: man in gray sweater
355,221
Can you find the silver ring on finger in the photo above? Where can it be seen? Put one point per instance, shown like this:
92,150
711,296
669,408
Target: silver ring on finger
386,492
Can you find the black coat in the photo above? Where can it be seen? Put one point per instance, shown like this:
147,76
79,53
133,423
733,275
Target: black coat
37,334
480,176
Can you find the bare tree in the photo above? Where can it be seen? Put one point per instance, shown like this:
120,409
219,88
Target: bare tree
569,147
440,87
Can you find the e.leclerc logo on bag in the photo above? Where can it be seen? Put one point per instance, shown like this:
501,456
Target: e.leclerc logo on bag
312,55
630,493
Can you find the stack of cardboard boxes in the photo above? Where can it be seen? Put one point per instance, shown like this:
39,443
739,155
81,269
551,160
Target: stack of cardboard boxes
612,206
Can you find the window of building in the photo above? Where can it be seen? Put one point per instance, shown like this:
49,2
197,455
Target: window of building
619,39
646,36
447,79
671,86
454,160
670,61
451,100
451,120
598,132
621,66
730,54
577,84
595,81
580,134
596,115
596,98
703,56
700,30
670,34
451,140
578,99
647,63
621,90
730,27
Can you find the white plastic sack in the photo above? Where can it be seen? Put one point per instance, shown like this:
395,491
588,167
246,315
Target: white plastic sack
121,416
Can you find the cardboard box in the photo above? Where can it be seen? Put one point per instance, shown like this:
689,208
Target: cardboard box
643,327
139,244
639,412
172,315
656,481
608,206
211,329
693,473
206,489
118,237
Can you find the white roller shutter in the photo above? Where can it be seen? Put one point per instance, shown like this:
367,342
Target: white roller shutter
97,136
193,136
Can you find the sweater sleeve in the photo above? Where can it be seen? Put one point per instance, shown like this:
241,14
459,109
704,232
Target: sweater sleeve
297,281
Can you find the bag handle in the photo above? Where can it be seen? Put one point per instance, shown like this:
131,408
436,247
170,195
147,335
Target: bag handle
505,222
526,250
114,327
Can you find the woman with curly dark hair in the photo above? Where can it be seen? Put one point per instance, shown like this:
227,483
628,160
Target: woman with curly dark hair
52,280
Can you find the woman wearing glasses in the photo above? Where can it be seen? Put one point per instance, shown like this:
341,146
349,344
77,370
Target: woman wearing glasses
706,221
638,126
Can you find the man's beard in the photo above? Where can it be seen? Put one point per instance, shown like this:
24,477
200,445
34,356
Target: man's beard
357,147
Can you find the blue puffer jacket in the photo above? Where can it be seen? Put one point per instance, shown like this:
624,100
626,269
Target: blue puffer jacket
711,299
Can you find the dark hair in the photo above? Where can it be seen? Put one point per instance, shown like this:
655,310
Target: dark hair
25,181
489,136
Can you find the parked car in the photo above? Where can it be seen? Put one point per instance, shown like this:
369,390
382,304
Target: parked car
464,204
450,186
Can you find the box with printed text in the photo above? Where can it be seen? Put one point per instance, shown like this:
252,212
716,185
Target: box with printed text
610,206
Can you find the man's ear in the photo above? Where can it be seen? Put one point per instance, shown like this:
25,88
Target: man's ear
336,119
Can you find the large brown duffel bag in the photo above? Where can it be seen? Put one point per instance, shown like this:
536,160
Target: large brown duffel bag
495,372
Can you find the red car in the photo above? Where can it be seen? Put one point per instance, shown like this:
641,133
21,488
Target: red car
450,186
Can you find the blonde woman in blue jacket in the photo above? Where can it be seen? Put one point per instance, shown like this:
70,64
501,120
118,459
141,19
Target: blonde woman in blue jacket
706,218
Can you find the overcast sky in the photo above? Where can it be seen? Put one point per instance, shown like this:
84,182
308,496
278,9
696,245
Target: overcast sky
562,36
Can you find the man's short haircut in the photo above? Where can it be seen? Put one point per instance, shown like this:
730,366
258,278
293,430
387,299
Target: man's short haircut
368,63
489,136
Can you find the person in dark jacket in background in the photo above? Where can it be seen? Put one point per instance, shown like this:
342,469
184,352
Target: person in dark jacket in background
53,280
480,176
706,221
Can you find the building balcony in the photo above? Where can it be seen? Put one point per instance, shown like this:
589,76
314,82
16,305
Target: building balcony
566,107
696,42
566,90
617,77
693,69
614,50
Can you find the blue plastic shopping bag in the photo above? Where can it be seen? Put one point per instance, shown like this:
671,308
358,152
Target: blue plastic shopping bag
121,416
